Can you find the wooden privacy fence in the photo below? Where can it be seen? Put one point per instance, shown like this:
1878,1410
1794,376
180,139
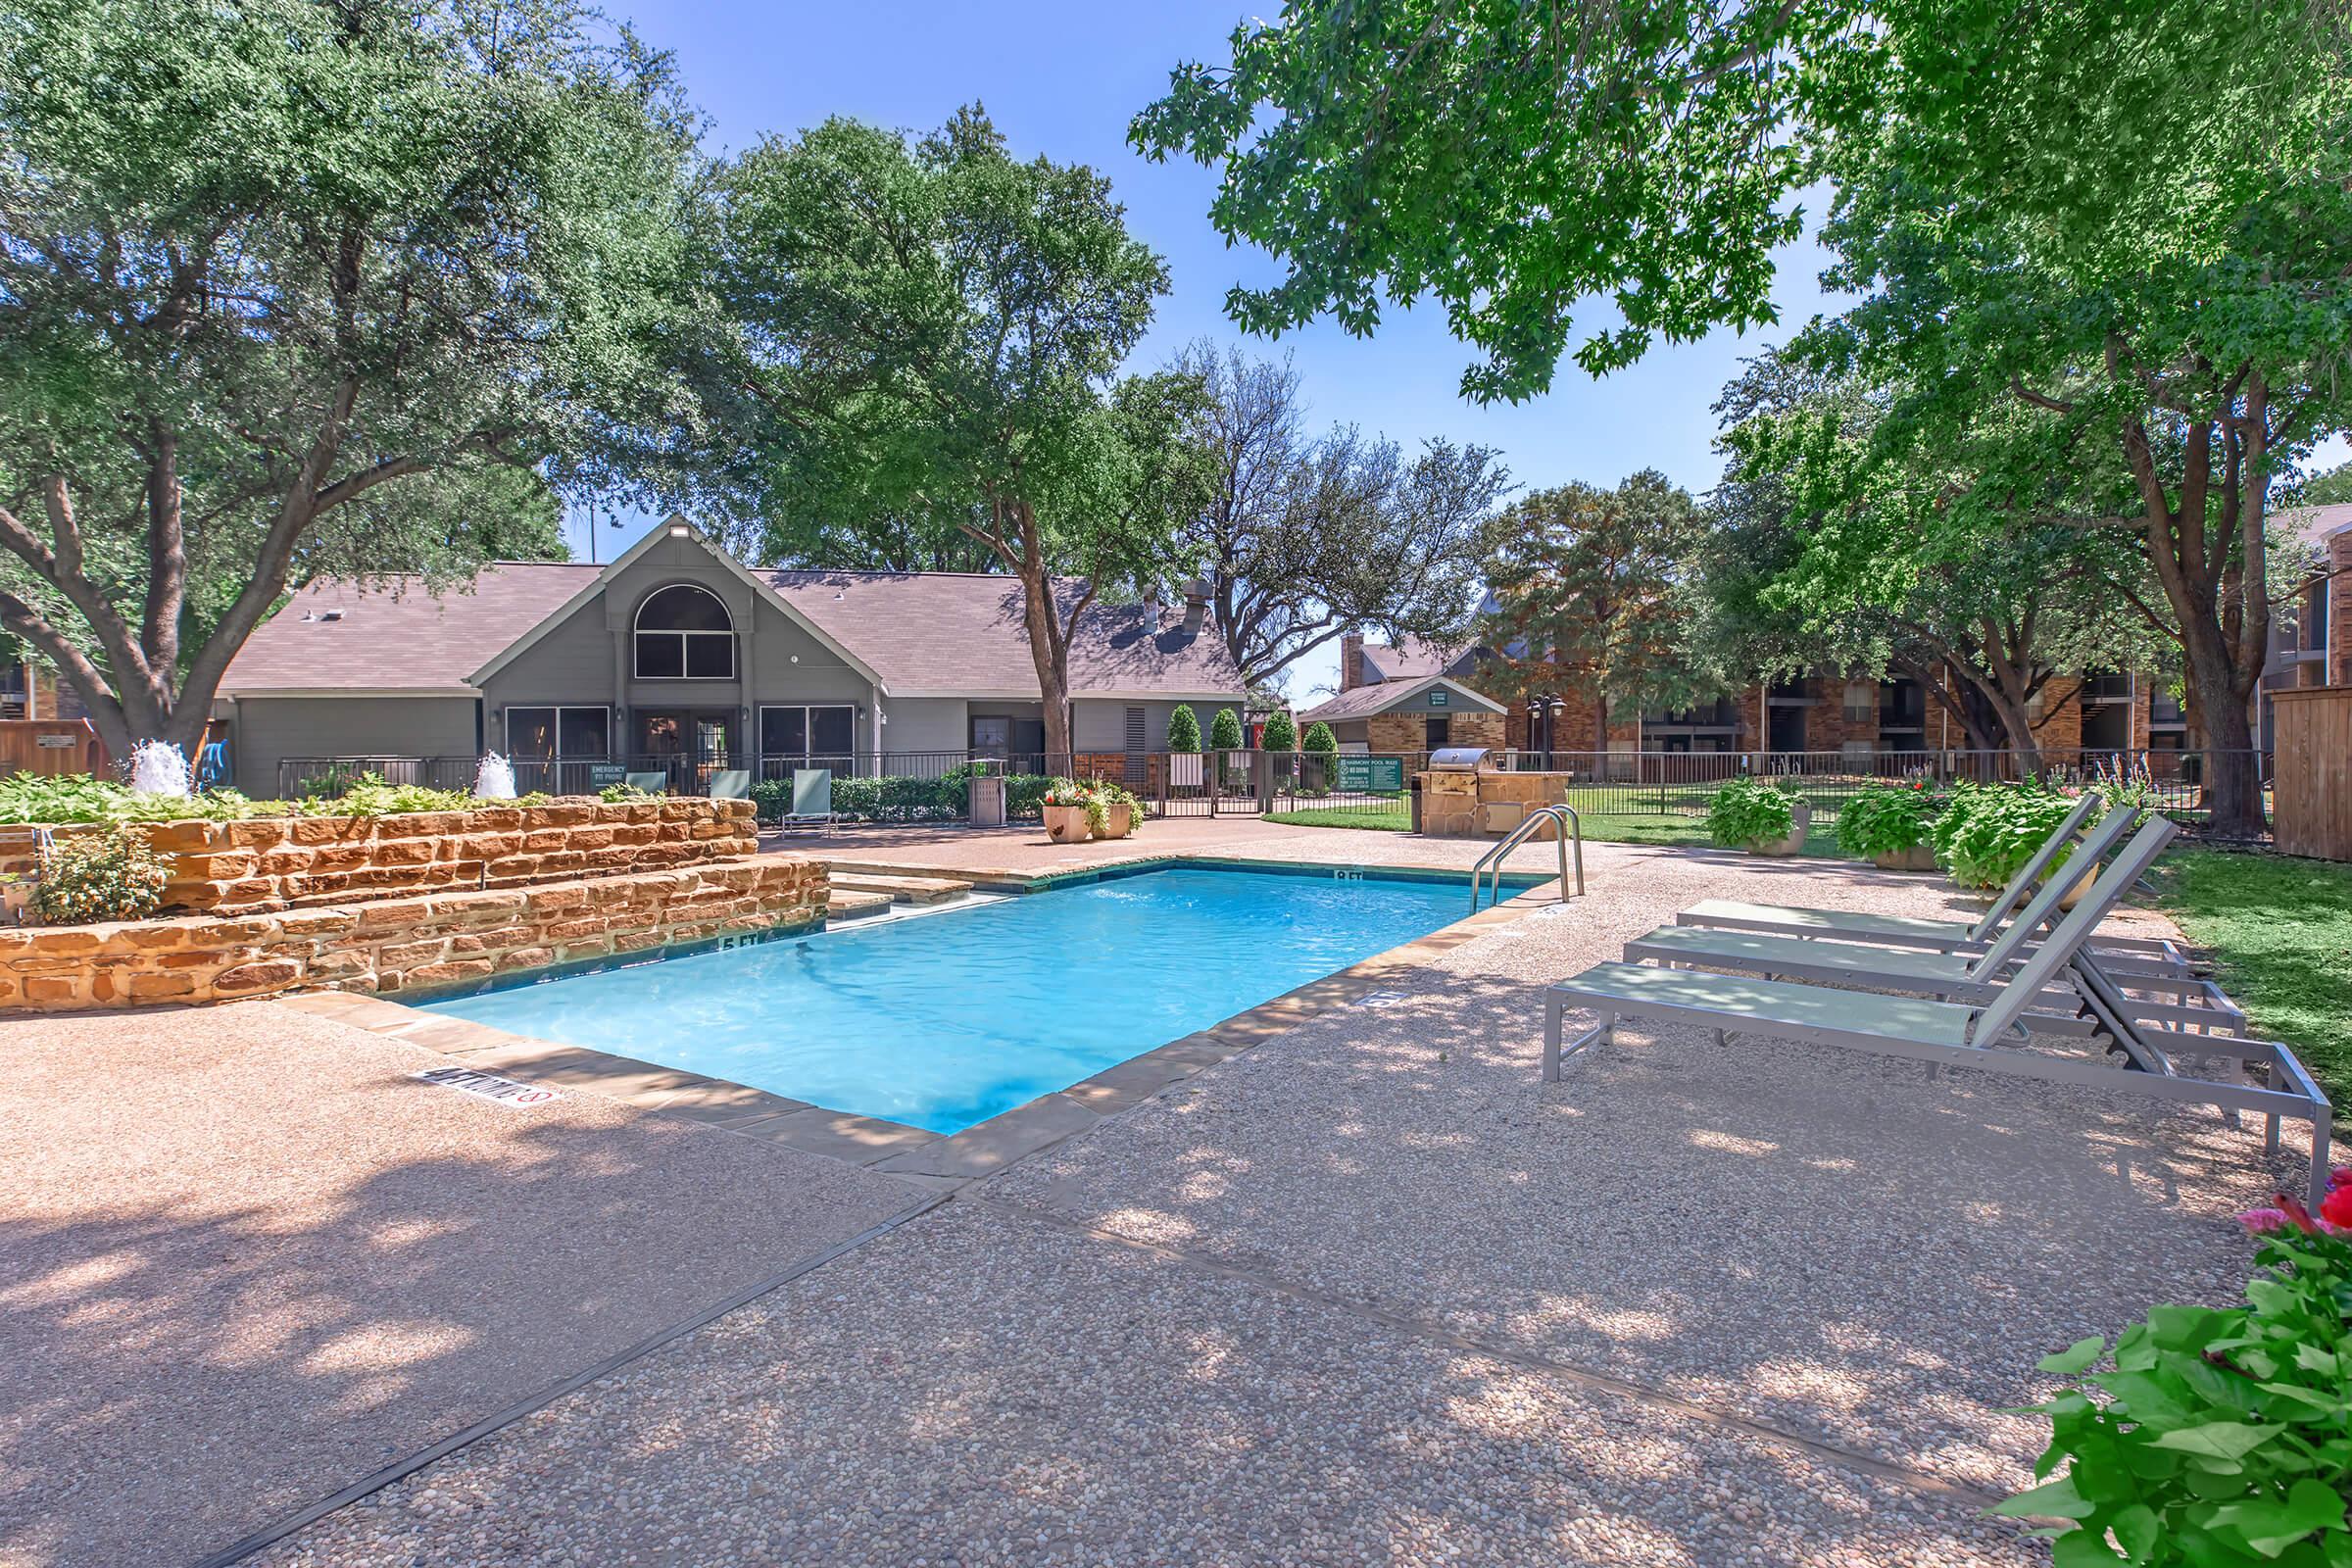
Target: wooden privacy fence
50,746
2312,813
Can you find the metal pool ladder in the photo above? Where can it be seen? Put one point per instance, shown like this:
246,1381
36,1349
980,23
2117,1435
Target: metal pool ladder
1561,816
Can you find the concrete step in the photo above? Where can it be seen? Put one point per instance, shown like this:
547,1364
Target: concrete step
906,889
847,905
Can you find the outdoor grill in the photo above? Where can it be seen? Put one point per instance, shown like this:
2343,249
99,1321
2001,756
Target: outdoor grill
1459,760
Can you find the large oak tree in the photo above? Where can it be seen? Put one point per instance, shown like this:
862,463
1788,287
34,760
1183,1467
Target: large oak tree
283,286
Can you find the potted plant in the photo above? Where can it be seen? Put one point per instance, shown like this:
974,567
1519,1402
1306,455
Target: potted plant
1065,811
1114,812
1760,816
1888,825
1990,831
16,891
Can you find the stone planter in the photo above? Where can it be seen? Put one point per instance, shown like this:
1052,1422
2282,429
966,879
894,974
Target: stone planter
1066,824
1800,822
1117,822
1918,858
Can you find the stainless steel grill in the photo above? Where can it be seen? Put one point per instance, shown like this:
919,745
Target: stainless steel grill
1460,759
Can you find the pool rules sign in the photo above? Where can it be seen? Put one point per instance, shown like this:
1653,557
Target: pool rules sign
489,1086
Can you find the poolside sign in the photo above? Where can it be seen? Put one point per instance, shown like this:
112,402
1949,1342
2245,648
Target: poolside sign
1371,776
604,775
489,1086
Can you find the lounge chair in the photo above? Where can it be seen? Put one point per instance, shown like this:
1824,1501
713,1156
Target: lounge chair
655,782
1953,1033
811,800
1966,977
734,784
2136,954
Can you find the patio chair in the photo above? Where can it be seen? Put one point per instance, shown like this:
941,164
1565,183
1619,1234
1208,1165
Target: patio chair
811,800
1967,976
733,784
1950,1033
655,782
2136,954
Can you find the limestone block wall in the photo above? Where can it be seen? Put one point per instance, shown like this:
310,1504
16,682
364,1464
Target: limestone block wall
1468,806
283,863
405,944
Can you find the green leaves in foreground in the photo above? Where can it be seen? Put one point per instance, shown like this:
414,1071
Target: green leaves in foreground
2220,1438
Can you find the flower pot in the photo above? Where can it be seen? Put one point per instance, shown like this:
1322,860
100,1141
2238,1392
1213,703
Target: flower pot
1800,820
1117,822
1066,824
2074,895
1918,858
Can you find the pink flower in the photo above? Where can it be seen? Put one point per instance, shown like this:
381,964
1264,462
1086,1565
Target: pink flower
2263,1221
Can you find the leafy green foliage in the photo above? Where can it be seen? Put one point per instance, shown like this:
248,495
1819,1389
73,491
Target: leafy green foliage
622,793
1281,733
2218,1437
1748,811
1184,729
1319,738
298,288
1988,832
100,876
901,798
79,798
1887,819
1589,591
1225,731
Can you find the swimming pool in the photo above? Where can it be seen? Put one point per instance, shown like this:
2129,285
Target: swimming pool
949,1019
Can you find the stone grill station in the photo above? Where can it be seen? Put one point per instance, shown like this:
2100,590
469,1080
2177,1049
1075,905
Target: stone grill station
1464,796
416,900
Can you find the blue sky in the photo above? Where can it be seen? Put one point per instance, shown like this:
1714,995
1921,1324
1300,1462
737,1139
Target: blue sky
1062,79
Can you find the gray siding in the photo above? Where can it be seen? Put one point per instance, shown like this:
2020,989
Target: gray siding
267,729
926,725
1099,725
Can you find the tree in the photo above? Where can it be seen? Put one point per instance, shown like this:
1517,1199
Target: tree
1184,729
284,285
931,336
2332,487
1590,591
1306,538
1225,731
1281,733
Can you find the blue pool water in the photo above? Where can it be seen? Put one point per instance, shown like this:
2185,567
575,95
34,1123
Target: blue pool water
947,1019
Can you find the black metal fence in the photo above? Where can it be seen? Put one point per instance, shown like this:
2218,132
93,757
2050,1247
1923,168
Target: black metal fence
1319,785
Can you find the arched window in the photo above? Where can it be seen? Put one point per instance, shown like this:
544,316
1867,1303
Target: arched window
684,633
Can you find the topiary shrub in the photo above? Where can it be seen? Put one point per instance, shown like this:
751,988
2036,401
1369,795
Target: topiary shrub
2219,1436
1225,731
1887,819
1319,738
100,876
1282,732
1318,773
1184,729
1748,812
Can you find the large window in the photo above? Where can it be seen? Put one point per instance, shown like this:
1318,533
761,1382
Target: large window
559,734
816,735
684,633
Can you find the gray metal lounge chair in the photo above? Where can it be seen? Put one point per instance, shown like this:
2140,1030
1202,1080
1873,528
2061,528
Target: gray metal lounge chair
734,784
655,782
2135,954
1965,976
811,800
1950,1033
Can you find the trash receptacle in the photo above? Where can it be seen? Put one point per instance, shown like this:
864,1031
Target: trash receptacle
987,799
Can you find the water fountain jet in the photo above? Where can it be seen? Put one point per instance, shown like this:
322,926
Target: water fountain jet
494,779
158,768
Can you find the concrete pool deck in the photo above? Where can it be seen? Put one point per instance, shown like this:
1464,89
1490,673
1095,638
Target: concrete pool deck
1364,1291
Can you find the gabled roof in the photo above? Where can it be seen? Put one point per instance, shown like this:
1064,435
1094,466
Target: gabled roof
1410,659
913,634
1363,702
964,634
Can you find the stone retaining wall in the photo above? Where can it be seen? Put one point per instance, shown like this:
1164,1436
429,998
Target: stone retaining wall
403,944
280,863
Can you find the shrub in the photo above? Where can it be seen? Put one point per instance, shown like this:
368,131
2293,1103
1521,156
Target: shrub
1319,738
1749,811
1184,729
82,798
1988,832
339,779
625,791
2220,1436
100,876
1282,732
1225,731
1887,819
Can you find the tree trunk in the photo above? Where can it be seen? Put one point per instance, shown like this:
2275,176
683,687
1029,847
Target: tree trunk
1600,722
1049,653
2232,773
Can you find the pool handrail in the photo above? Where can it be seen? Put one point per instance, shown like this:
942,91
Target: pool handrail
1519,835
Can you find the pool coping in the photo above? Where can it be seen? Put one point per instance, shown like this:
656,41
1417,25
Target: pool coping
928,1160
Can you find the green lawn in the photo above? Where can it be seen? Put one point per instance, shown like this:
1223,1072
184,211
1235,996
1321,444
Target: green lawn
1639,827
2279,931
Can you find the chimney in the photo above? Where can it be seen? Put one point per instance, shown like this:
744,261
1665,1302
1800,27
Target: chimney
1195,606
1351,660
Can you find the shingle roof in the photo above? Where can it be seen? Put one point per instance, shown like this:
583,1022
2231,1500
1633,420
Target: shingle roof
393,634
1410,659
950,633
1363,702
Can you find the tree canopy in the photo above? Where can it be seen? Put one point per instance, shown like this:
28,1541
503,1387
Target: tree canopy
284,286
1306,537
928,354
